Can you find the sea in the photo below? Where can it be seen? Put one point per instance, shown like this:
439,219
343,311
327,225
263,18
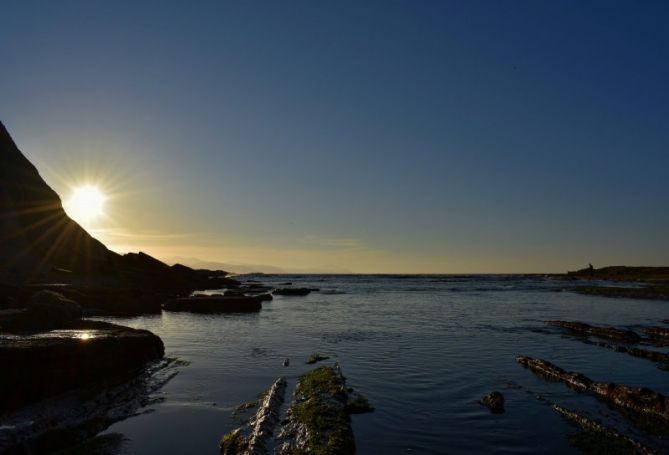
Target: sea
422,348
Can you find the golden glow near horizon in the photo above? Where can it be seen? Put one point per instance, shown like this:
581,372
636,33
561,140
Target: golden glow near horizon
85,204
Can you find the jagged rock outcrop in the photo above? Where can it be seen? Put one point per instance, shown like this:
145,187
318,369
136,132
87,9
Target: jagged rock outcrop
627,336
254,438
598,438
657,332
639,400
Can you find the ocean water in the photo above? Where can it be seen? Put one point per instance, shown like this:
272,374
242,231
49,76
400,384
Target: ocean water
423,349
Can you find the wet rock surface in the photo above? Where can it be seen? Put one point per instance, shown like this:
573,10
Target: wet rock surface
627,336
216,304
657,332
254,437
318,420
598,438
639,401
78,354
493,401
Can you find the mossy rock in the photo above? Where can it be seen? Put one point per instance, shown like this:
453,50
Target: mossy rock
233,443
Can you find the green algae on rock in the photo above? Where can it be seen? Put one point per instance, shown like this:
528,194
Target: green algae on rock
319,420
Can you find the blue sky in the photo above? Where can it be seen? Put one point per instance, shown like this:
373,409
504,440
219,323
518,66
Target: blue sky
390,136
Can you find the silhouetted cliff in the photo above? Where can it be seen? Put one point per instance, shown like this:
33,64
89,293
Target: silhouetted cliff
36,234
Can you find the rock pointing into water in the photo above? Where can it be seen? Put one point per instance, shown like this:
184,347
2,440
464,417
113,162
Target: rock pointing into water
318,418
638,400
598,438
627,336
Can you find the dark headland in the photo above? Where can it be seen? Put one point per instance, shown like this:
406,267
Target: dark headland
628,282
73,377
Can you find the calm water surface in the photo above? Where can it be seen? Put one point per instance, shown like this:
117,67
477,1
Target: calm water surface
423,349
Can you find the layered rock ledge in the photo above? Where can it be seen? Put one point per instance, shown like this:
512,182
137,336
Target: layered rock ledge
639,400
612,333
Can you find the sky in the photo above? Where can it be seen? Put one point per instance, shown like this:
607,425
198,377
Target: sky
359,137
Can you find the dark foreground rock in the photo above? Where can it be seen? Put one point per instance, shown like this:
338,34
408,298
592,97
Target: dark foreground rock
46,310
627,336
318,420
216,304
65,424
637,401
493,401
77,355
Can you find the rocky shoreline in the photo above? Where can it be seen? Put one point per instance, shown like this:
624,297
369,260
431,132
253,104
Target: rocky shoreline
650,283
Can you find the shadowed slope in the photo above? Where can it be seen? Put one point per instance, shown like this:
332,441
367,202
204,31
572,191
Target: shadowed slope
36,234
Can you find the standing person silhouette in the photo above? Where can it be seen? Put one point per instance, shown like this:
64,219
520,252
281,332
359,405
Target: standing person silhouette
592,269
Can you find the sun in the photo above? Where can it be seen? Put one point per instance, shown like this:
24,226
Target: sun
85,204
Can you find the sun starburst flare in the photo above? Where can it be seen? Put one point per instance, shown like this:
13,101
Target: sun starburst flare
85,204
